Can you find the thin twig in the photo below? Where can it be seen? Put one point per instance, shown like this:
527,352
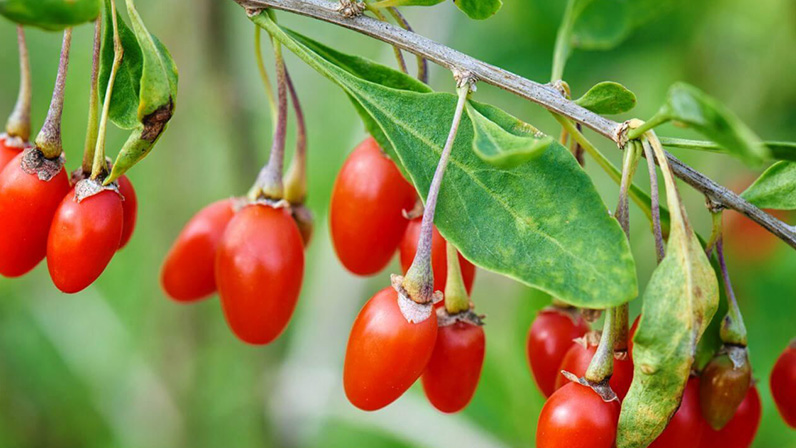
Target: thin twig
542,94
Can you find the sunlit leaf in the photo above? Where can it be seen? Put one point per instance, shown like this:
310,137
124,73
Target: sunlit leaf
52,15
563,241
608,98
775,188
504,148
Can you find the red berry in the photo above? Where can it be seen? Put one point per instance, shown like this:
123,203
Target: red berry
549,338
577,359
685,428
741,430
259,268
722,389
576,417
453,371
83,238
783,385
366,212
188,273
439,257
27,206
7,152
385,353
130,206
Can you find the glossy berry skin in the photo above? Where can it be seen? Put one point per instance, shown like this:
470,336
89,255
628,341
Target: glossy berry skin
577,359
549,338
366,212
742,428
439,257
452,373
83,238
259,268
685,428
783,385
130,207
576,417
385,352
7,152
188,274
27,206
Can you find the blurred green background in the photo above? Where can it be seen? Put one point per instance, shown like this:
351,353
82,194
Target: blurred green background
120,365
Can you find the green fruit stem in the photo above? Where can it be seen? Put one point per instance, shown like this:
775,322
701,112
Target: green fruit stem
18,124
422,63
655,208
456,298
269,93
99,166
93,103
419,279
733,330
296,178
601,366
49,139
399,57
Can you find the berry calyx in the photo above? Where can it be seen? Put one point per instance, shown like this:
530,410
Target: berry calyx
84,236
386,353
575,416
783,384
259,268
579,356
548,340
188,273
366,211
439,257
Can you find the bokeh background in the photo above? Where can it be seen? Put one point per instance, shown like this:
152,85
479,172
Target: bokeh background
120,365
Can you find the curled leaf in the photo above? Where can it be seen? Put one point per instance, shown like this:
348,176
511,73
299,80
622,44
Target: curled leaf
775,188
51,15
504,148
608,98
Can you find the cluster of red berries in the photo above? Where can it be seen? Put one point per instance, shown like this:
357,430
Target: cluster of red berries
576,416
76,223
252,252
387,352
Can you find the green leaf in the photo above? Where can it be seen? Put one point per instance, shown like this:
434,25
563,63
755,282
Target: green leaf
397,3
602,24
608,98
145,90
679,303
692,107
123,110
52,15
504,148
542,223
479,9
775,188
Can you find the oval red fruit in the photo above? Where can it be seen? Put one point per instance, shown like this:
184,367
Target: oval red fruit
783,385
188,273
576,417
741,429
7,151
27,206
685,428
549,338
259,268
366,212
452,373
83,238
439,257
385,352
577,359
130,207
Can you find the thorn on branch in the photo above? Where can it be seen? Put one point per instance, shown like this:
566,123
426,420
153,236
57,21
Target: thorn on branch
351,8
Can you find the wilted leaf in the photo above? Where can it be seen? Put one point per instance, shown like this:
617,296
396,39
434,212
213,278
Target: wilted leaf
504,148
608,98
775,188
561,240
